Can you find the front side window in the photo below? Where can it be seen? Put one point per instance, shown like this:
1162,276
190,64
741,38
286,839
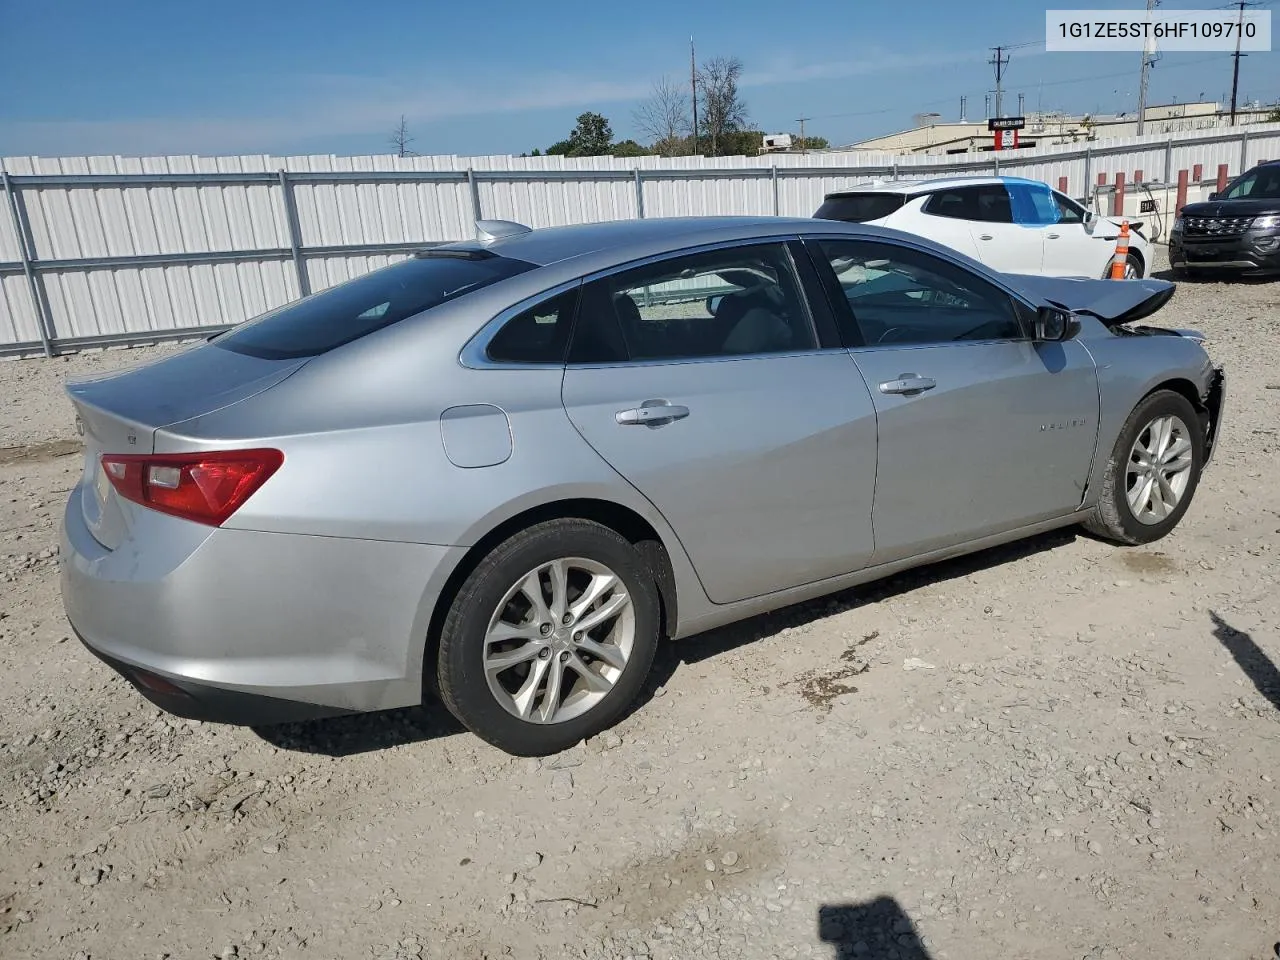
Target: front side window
1068,210
720,303
351,310
899,296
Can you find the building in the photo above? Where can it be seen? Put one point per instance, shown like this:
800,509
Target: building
939,137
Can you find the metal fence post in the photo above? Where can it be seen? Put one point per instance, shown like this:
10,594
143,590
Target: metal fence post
639,195
26,251
773,174
475,198
996,157
1244,149
1088,172
1168,162
295,232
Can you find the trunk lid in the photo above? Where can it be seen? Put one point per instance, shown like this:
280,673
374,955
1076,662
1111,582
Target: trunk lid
1114,302
121,412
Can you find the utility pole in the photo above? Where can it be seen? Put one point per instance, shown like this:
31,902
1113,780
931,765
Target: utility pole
1148,49
804,144
693,84
1235,72
1000,62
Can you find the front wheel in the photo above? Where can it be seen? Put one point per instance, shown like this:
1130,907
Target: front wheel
1153,471
550,638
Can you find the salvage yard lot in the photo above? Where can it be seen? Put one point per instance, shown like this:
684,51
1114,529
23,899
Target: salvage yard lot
1055,749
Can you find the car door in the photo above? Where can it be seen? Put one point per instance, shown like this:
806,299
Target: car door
702,380
1072,248
1001,243
981,429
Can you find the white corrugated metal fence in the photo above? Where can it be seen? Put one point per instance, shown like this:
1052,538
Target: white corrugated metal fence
100,250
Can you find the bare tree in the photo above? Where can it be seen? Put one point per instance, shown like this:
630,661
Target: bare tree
400,139
724,110
664,117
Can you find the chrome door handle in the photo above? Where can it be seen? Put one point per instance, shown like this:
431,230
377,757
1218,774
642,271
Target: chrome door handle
1054,236
984,236
652,413
908,383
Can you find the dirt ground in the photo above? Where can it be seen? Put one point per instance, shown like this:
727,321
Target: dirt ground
1058,749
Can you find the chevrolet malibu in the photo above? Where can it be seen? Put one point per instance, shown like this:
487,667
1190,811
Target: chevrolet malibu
501,471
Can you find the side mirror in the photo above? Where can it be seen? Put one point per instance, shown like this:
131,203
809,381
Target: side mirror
1055,325
1215,195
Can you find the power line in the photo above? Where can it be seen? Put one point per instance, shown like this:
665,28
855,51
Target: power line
1048,83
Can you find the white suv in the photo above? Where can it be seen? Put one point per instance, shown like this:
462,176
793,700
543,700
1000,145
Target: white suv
1011,224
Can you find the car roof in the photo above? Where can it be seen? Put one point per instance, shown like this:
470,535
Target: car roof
926,185
623,240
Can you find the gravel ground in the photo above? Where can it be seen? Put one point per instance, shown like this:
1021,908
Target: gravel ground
1058,749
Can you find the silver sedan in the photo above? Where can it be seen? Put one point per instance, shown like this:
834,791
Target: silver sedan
502,471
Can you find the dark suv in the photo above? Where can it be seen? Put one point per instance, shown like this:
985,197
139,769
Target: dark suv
1235,231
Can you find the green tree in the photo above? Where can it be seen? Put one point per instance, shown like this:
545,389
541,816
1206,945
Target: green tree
592,136
740,143
810,143
629,148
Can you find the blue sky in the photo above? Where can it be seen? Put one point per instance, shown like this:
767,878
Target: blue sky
137,77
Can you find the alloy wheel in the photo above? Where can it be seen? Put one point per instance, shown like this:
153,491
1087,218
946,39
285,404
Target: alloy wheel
559,640
1159,469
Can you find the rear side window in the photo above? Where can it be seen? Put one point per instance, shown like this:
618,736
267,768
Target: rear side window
537,335
351,310
988,203
859,207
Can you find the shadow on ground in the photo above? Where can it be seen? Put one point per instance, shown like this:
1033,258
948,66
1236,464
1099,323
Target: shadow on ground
1251,658
362,733
875,930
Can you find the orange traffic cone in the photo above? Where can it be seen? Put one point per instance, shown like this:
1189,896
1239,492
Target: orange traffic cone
1121,256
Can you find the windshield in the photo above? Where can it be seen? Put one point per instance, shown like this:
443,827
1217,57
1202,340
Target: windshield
351,310
1260,184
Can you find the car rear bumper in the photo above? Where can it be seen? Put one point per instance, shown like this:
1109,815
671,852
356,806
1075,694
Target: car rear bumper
252,628
1245,254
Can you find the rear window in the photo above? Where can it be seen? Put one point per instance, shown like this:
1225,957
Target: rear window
351,310
859,207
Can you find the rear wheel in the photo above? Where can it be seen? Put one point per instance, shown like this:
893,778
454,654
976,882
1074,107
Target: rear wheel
1152,473
550,638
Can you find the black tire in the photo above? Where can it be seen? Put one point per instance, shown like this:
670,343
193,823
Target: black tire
460,673
1133,260
1113,519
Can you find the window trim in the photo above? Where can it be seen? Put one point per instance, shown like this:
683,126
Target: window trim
1022,307
785,241
475,352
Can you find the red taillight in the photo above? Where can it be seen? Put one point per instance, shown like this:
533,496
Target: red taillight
204,487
